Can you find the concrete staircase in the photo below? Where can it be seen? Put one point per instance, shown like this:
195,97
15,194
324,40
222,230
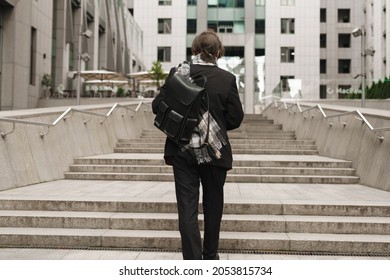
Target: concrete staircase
257,136
263,154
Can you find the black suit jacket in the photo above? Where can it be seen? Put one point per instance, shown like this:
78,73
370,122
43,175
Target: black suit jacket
225,107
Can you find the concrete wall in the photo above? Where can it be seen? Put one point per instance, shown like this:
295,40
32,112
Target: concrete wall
26,158
354,142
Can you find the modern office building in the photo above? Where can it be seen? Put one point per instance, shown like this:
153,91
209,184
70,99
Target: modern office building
49,39
288,48
293,49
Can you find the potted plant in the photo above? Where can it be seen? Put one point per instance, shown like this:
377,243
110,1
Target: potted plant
46,84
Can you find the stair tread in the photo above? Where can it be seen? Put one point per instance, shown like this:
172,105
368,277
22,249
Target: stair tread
291,236
229,174
234,167
226,217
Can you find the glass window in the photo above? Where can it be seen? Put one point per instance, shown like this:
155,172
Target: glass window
284,82
259,52
287,54
233,61
323,66
287,26
191,26
164,2
345,40
287,2
260,26
164,26
322,40
227,26
192,2
164,54
260,2
226,3
323,15
344,66
323,91
33,52
343,15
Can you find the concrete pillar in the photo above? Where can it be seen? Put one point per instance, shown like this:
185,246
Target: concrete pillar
249,55
201,22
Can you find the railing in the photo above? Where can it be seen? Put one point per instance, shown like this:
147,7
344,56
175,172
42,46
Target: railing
358,115
64,116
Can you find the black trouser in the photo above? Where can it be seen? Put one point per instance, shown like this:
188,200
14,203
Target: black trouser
187,179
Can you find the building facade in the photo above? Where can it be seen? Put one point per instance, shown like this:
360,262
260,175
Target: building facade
298,49
291,49
46,42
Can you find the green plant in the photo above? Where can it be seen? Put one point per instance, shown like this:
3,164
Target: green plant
46,80
120,92
157,73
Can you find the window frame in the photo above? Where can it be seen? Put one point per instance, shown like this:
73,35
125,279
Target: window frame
287,54
166,57
165,2
162,22
289,25
341,66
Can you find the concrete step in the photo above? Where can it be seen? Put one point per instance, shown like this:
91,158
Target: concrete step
237,170
242,146
288,162
155,132
301,242
238,178
168,221
274,151
233,141
288,208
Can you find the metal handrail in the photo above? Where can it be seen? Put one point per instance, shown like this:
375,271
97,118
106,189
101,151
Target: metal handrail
358,115
63,117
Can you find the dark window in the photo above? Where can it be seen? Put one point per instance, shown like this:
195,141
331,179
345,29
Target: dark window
323,66
287,54
164,26
345,40
343,15
287,26
284,82
164,2
344,66
234,51
323,91
191,2
259,52
323,15
322,40
188,54
33,55
260,26
191,26
164,54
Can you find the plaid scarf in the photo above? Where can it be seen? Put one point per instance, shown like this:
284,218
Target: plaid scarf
203,151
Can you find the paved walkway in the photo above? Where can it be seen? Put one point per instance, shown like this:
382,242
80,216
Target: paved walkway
164,191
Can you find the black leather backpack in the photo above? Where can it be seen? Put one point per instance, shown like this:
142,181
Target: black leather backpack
179,111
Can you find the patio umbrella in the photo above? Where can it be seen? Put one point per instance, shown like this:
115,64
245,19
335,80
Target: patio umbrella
142,76
108,82
101,75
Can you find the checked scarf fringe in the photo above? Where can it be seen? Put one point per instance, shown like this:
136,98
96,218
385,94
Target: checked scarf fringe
211,150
